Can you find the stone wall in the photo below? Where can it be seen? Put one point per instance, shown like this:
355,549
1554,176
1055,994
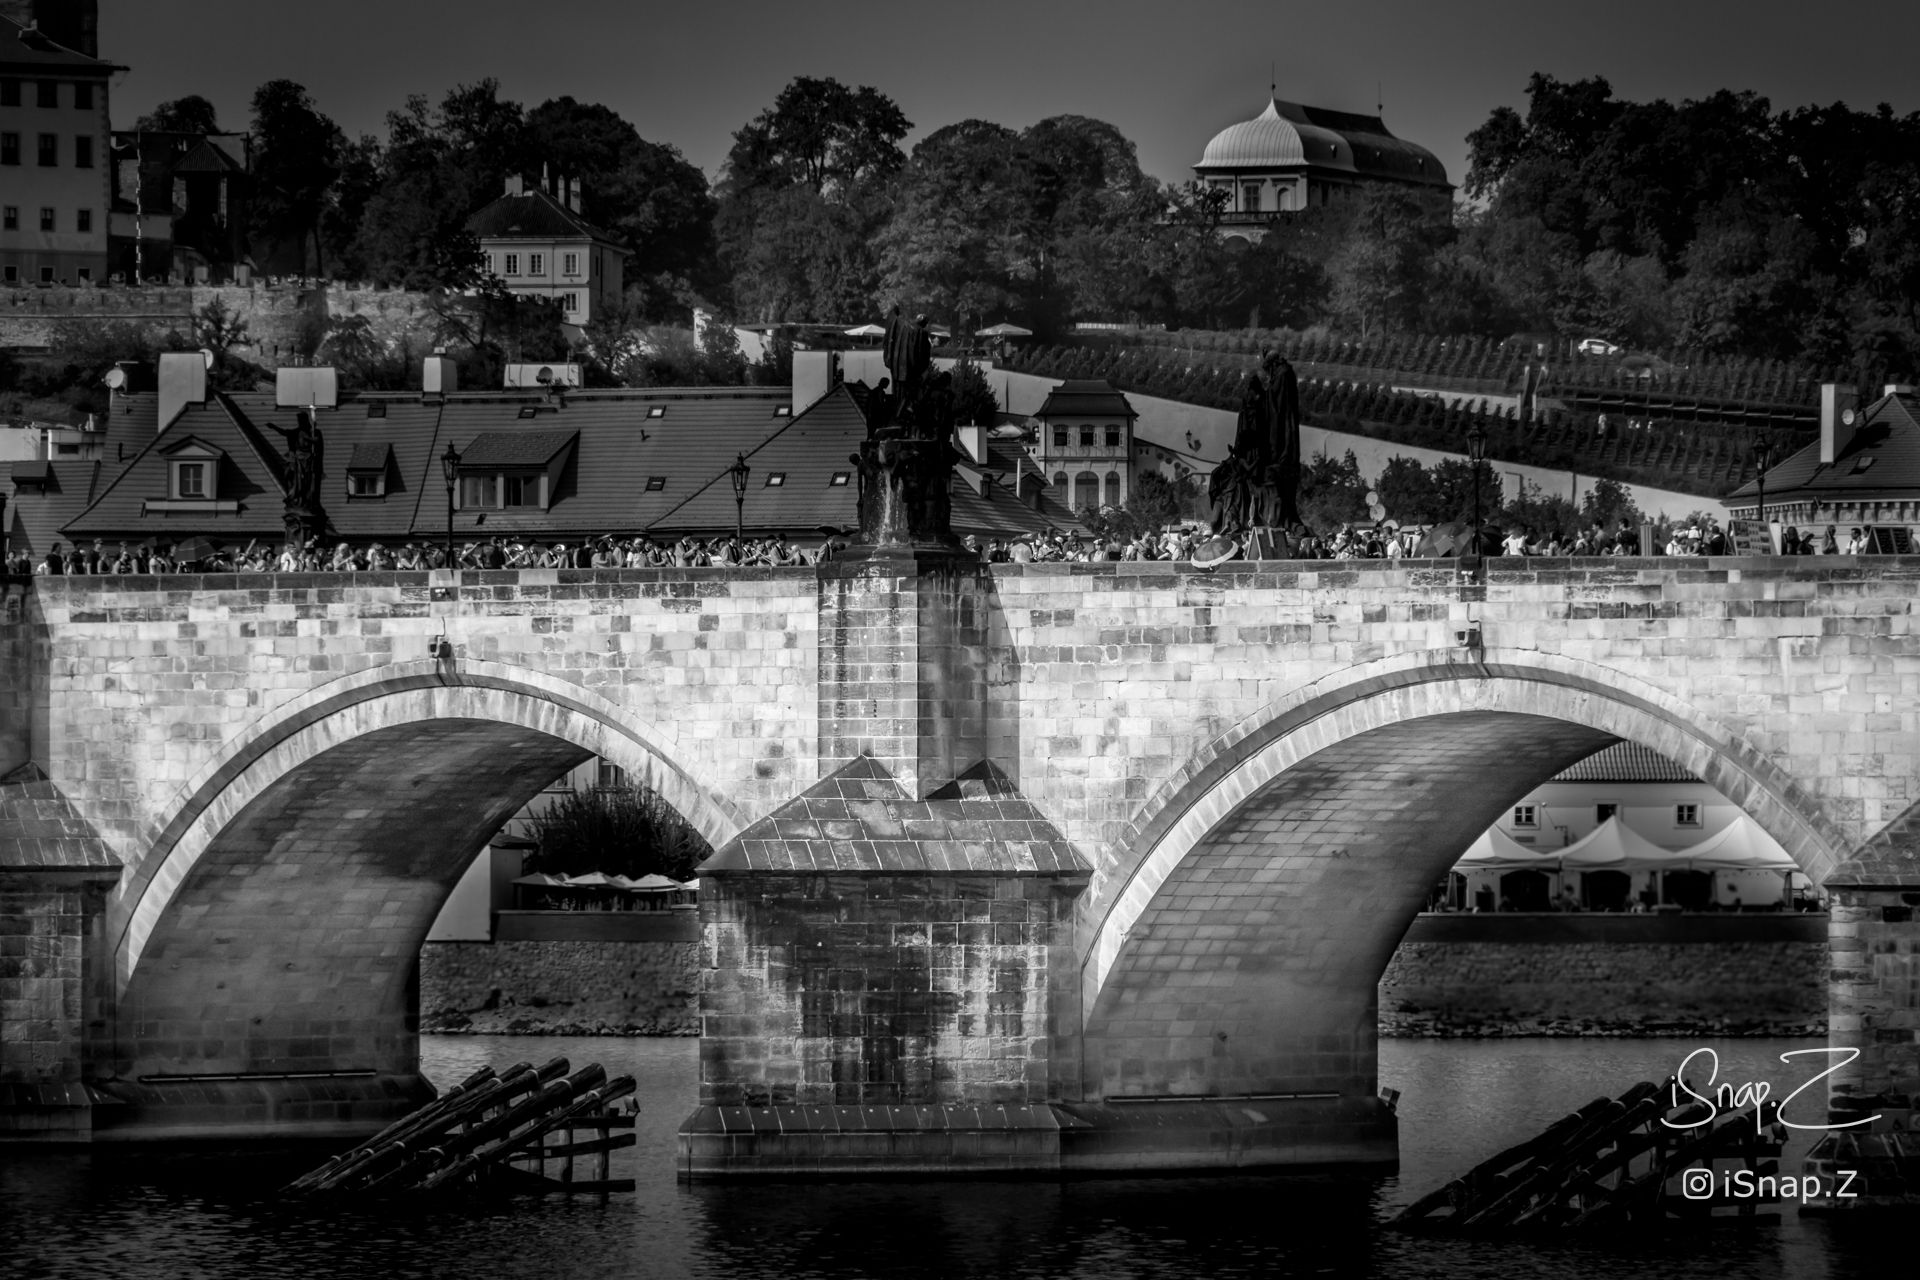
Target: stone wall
878,989
560,988
1874,987
275,315
1600,988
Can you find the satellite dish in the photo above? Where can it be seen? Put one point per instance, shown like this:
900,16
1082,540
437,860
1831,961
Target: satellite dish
116,378
543,377
1373,497
206,356
1847,417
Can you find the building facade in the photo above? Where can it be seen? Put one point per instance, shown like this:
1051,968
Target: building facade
1861,474
1084,444
180,206
540,247
1292,157
55,164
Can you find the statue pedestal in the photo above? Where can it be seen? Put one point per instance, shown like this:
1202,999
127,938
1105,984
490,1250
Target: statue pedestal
904,500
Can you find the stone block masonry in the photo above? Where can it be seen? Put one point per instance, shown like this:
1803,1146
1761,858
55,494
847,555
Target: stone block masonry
560,988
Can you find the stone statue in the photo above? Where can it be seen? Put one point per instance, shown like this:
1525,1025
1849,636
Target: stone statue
305,517
905,464
1258,485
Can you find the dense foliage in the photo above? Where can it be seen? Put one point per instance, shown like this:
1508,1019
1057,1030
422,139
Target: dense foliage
627,831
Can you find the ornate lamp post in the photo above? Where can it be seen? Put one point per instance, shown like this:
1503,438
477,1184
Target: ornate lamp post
1476,453
738,474
450,468
1762,459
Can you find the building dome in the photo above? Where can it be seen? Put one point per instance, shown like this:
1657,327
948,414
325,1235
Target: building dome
1290,136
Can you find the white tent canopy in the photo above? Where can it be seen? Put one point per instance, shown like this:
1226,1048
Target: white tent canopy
1739,846
1495,850
1613,846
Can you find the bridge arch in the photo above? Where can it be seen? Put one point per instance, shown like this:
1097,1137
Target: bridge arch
1259,893
274,923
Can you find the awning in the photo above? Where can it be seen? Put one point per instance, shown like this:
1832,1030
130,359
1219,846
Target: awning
1613,846
1739,846
1495,850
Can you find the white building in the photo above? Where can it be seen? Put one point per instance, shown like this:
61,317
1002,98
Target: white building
540,247
1084,444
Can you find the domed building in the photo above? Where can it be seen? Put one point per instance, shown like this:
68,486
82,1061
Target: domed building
1291,157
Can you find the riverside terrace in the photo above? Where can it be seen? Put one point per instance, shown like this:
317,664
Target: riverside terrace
1067,866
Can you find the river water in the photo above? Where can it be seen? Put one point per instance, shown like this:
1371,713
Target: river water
133,1213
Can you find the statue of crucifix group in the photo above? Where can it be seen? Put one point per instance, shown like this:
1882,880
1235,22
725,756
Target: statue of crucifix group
1257,487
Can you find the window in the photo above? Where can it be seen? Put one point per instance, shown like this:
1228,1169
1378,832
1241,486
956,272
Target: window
82,151
49,150
9,148
775,479
366,484
1686,815
519,491
513,264
609,775
656,483
46,219
570,264
1060,482
569,302
1112,497
85,273
783,411
838,479
82,96
66,450
1113,437
1526,815
10,274
46,275
48,94
83,219
9,93
10,218
536,264
1059,437
476,491
1250,197
190,480
1086,437
1601,812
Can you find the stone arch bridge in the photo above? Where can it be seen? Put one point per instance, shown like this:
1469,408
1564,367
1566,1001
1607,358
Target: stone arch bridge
1046,866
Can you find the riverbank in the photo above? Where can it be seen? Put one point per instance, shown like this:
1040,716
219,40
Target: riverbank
1452,977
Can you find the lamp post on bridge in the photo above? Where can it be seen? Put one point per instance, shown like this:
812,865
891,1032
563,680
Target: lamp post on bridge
738,474
1762,459
450,468
1476,453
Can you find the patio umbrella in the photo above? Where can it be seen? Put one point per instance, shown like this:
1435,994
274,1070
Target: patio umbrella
193,549
1004,330
591,880
1454,538
866,331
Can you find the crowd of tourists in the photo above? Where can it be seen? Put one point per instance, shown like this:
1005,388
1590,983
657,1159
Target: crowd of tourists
1187,544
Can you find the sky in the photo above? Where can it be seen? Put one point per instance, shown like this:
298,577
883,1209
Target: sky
1169,74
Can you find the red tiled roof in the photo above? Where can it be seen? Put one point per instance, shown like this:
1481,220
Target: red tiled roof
1625,762
514,448
535,215
1085,396
1883,457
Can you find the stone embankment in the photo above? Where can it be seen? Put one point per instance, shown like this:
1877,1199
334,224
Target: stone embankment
1753,986
560,988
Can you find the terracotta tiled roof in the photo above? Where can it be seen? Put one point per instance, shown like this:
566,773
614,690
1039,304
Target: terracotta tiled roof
1092,396
1625,762
860,819
537,216
514,448
370,455
1883,457
41,831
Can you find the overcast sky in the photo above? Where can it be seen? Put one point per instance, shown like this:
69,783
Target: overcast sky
1169,74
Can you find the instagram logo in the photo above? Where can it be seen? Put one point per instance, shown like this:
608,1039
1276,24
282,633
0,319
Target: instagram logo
1696,1184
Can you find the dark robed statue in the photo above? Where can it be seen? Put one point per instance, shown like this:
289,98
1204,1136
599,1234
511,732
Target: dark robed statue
304,516
906,462
1258,486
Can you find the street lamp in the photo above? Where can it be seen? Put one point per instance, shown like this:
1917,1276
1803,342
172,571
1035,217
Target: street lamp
1476,453
1762,459
738,473
450,468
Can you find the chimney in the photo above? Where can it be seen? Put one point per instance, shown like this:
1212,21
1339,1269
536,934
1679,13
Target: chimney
516,185
1839,417
1898,389
439,375
973,439
573,194
183,381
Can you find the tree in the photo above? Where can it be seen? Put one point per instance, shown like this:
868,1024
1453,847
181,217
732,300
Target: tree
1608,503
973,398
296,163
629,831
1155,503
1407,491
1332,492
191,114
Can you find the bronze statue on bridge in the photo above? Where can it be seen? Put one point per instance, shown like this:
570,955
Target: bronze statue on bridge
906,462
1256,491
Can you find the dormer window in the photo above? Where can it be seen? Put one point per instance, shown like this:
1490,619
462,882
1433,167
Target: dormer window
192,480
514,469
367,470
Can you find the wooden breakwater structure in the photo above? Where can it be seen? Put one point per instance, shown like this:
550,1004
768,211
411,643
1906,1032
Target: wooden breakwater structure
1638,1158
523,1129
